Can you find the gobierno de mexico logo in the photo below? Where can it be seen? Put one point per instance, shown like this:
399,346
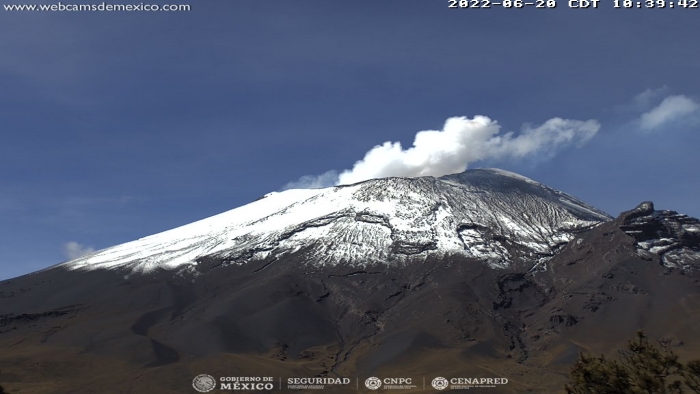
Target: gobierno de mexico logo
204,383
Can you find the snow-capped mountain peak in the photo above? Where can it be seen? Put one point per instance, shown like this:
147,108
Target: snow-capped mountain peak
486,214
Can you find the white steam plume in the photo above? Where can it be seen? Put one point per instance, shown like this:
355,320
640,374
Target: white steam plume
460,142
73,250
328,178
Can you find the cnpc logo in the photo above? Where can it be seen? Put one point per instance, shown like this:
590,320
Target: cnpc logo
439,383
374,383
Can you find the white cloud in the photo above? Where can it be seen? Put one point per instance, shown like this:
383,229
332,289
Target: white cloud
645,98
73,250
671,109
460,142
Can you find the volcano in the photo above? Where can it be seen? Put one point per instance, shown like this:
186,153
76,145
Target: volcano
482,274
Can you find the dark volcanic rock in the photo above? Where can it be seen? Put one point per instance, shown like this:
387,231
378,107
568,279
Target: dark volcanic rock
115,331
674,237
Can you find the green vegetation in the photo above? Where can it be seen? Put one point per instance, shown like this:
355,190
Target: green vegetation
642,368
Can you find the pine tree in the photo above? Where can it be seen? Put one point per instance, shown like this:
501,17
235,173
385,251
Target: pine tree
642,369
597,375
691,373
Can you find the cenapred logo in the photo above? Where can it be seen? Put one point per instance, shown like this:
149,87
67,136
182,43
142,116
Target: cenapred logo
373,383
440,383
204,383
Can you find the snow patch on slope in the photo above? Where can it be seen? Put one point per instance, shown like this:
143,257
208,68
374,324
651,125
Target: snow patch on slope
490,215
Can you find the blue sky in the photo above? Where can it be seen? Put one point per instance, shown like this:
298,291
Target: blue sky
120,125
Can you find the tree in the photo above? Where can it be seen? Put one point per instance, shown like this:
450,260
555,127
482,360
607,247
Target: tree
691,373
642,369
597,375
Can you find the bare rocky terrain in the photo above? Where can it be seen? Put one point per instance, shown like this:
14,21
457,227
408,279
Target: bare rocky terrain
116,330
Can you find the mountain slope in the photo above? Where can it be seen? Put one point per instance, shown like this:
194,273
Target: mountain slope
494,215
516,301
